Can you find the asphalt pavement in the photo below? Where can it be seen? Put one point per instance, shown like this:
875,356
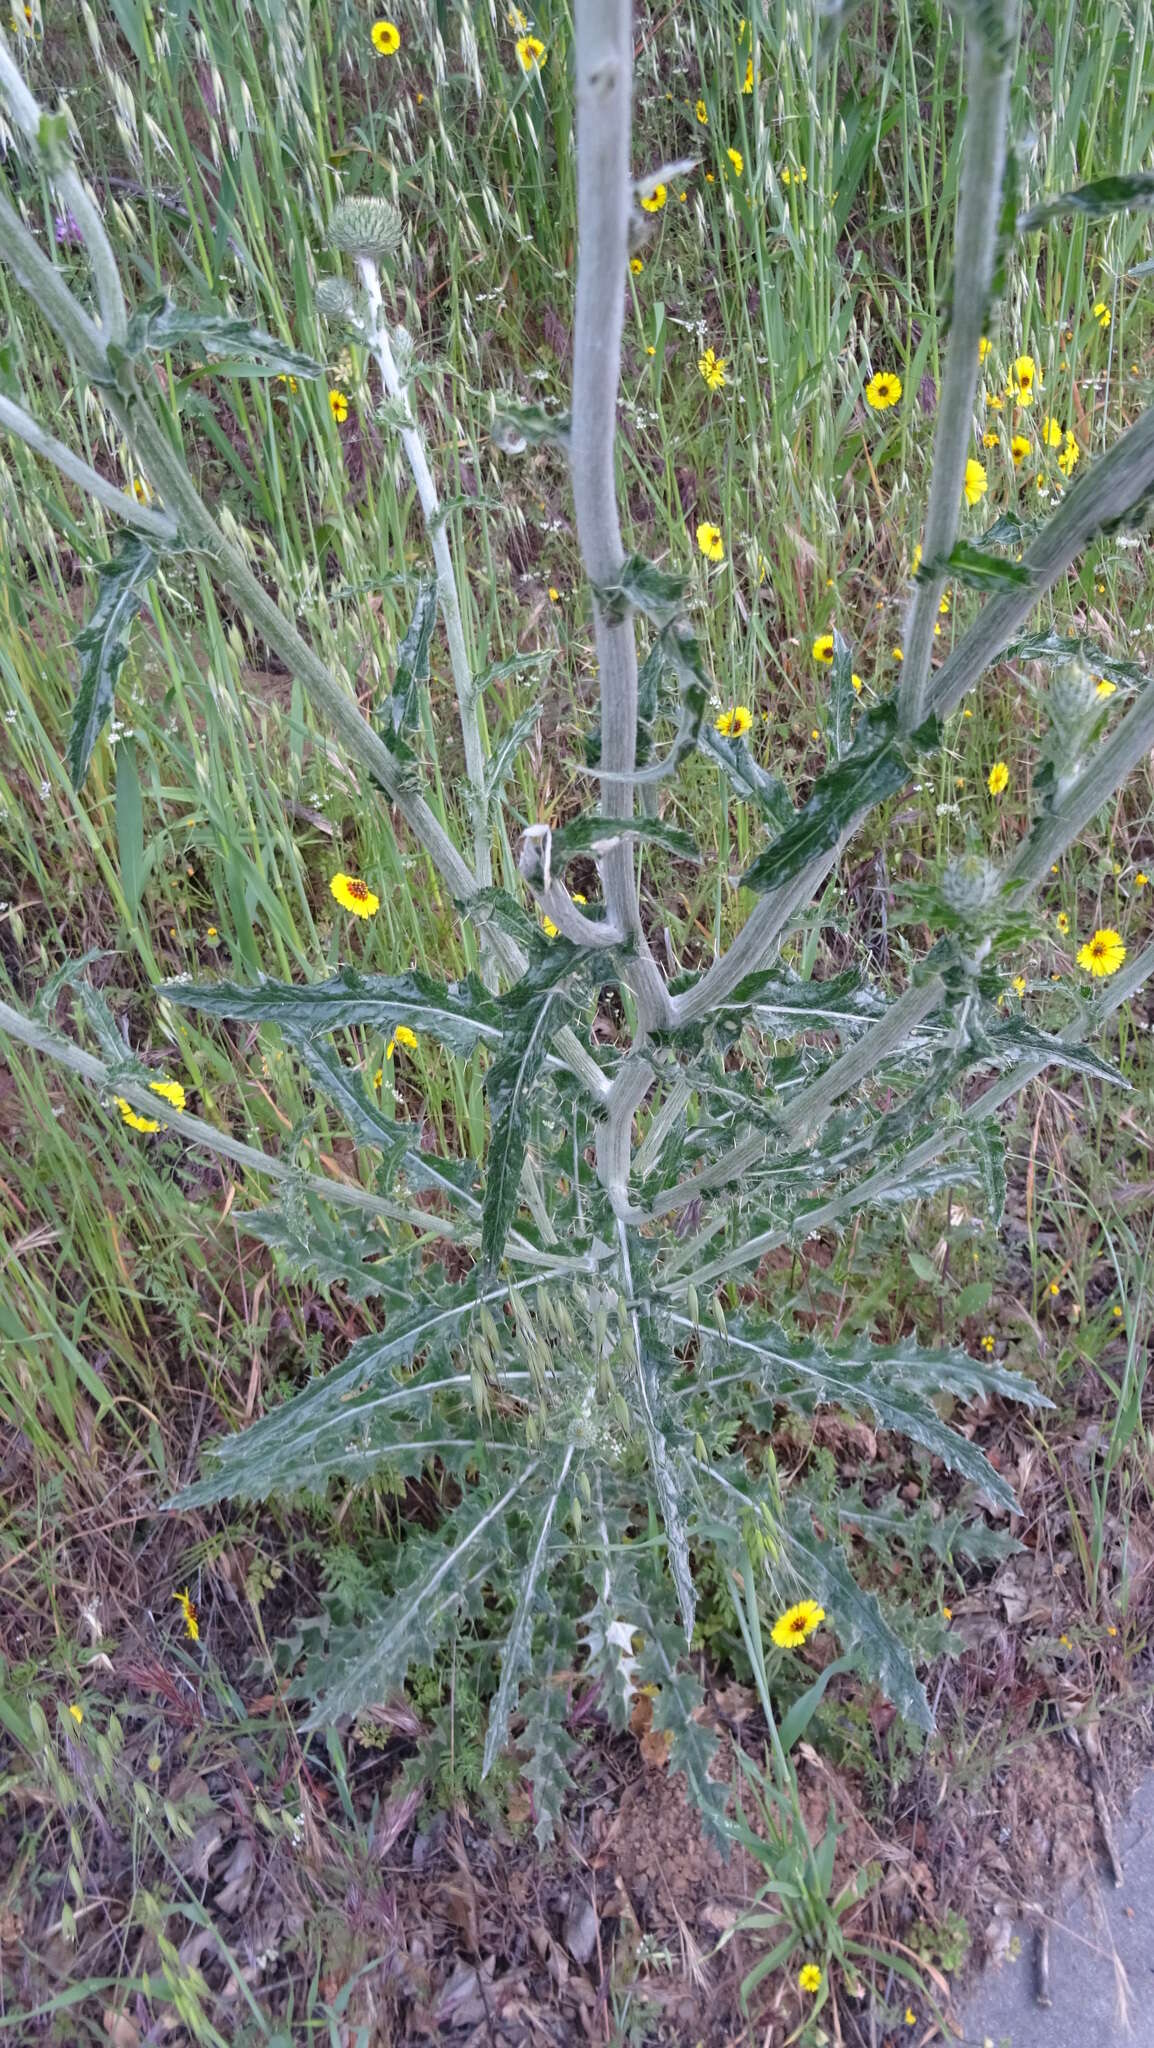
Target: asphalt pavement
1101,1961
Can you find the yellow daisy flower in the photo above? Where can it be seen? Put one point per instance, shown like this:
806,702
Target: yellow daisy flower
1102,313
1023,377
1019,449
998,778
77,1714
983,348
636,265
989,440
655,200
995,402
712,368
1103,954
339,406
531,53
1019,985
1062,922
737,160
975,484
702,112
169,1091
747,83
710,542
1051,433
788,176
191,1618
791,1628
823,649
403,1036
733,723
1104,688
883,390
354,895
1069,455
386,38
809,1978
987,1346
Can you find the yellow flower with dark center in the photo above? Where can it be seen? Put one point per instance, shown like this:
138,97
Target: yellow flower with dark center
1062,922
191,1618
737,160
995,402
823,649
733,723
354,895
1141,880
883,390
710,542
531,53
636,265
788,176
1102,313
339,406
989,440
386,38
1103,954
809,1979
1069,455
1104,688
403,1036
654,201
516,19
974,486
997,778
702,112
791,1628
747,85
712,368
1023,377
1051,433
1019,449
142,490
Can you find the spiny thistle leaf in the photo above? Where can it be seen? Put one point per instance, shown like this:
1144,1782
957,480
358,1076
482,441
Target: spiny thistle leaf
750,780
160,326
874,767
358,1416
458,1014
1120,193
335,1254
549,1749
399,711
368,1125
534,1010
591,833
668,1477
518,1644
103,644
820,1567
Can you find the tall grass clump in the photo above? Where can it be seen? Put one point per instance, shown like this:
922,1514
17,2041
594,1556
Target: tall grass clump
597,1389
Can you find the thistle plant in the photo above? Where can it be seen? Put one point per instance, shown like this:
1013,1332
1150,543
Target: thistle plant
594,1393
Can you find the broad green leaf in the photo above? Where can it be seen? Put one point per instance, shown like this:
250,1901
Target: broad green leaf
336,1253
591,833
974,1297
400,708
874,767
1119,193
160,326
801,1713
515,665
516,1650
643,587
458,1014
103,646
855,1616
748,777
532,1014
358,1416
972,564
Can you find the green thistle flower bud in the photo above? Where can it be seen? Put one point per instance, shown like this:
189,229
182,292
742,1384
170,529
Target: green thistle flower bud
365,227
969,884
335,298
1072,701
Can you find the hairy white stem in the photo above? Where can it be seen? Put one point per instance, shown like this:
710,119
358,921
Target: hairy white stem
989,69
604,66
615,1133
412,440
158,525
